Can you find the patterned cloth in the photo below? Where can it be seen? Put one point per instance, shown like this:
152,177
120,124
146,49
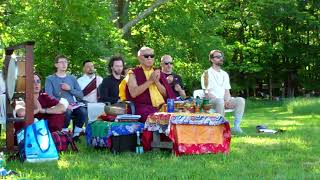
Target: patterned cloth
160,121
98,132
212,139
192,133
197,119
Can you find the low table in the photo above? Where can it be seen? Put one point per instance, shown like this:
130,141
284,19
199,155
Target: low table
190,133
99,132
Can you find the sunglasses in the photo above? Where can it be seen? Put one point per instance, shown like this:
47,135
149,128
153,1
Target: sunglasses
37,81
218,57
167,63
148,55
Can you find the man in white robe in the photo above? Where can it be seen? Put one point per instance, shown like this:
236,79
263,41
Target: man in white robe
89,82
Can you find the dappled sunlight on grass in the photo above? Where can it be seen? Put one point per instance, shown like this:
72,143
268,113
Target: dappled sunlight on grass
298,142
303,105
288,123
274,140
62,164
258,140
306,117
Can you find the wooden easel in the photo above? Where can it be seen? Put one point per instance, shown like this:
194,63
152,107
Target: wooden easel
28,93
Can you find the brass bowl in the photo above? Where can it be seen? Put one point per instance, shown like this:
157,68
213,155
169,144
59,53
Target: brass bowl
207,107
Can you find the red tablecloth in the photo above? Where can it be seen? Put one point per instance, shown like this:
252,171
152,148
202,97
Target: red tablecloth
193,133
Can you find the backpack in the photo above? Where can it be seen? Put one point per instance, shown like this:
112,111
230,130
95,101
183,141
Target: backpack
62,140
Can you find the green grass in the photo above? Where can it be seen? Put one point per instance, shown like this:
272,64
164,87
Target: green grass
295,154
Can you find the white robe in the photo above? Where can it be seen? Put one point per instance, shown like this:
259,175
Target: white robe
84,81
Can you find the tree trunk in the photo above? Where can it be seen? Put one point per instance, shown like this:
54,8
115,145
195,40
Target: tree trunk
247,92
290,85
126,28
283,92
270,87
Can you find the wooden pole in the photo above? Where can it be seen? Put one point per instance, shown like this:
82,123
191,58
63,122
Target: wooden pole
29,84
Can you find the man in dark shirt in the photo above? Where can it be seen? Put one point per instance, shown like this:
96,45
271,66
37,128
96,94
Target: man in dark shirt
173,79
109,88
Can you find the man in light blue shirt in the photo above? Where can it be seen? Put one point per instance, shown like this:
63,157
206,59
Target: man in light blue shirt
63,85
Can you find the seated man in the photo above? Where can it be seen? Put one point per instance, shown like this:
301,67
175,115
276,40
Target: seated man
45,107
216,84
63,85
89,82
173,79
147,88
109,89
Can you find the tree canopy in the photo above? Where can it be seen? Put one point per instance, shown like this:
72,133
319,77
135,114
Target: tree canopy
267,43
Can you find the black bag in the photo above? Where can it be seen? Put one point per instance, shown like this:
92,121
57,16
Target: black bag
126,143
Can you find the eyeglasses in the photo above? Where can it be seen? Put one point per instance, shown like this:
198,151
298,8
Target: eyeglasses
37,81
148,55
218,57
167,63
64,62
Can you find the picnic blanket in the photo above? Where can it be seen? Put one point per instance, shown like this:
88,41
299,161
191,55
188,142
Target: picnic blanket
99,132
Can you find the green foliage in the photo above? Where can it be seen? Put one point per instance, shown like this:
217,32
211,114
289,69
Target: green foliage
79,29
273,41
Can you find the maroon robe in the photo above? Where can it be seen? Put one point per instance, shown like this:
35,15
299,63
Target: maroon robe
55,121
143,103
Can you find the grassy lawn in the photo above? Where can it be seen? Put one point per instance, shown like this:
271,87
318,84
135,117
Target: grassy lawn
295,154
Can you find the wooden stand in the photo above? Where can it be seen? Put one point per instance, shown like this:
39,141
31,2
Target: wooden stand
27,95
156,144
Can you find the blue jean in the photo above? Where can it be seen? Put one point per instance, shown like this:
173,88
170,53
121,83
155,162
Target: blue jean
80,116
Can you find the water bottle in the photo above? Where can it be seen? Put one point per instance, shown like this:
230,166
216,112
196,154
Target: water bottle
139,148
198,101
170,105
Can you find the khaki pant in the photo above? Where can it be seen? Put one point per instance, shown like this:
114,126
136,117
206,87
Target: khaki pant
237,102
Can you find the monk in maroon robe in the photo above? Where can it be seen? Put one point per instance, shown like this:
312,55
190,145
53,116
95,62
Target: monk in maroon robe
45,107
148,89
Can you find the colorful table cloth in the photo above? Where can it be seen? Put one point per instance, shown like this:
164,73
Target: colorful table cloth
99,132
193,133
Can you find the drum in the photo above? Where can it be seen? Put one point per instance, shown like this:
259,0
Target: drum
16,77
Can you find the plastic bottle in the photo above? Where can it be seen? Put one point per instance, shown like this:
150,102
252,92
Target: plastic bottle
198,101
139,148
170,105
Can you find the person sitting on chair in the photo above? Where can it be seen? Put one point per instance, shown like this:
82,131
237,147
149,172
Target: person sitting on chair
216,84
173,79
109,89
89,82
147,88
63,85
45,107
